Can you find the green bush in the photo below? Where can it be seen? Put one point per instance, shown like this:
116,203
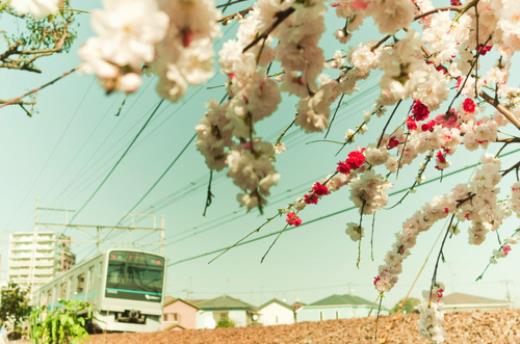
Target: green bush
225,323
65,324
14,310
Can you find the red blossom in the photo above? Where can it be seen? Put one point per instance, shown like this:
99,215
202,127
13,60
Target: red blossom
376,279
292,219
428,126
442,69
343,167
455,2
440,157
320,189
448,120
484,49
359,5
392,143
440,293
411,124
355,159
469,105
506,249
420,111
310,198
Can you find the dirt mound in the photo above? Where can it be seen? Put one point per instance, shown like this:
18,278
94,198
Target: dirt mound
498,327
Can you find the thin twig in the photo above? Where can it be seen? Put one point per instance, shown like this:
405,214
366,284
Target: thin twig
16,100
209,194
387,123
274,242
280,17
334,116
256,230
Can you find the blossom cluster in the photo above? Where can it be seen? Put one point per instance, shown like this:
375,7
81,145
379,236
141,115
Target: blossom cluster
185,55
505,248
174,38
474,202
431,319
515,198
37,8
127,32
368,192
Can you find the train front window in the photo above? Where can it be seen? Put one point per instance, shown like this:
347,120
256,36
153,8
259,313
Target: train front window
135,275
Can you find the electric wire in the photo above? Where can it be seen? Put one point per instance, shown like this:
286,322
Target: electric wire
53,151
330,215
112,170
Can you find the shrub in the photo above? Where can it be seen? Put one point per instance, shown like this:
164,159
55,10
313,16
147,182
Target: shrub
65,324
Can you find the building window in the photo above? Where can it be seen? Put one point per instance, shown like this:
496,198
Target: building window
218,316
171,317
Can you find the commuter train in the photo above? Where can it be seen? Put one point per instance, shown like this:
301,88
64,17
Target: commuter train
124,287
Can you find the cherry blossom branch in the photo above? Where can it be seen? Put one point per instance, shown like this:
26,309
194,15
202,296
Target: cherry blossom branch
334,116
229,3
500,249
274,242
420,16
241,13
502,109
16,100
516,167
209,194
434,277
35,54
387,123
280,17
284,132
256,230
417,180
361,229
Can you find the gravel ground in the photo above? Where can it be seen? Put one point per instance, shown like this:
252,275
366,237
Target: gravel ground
500,327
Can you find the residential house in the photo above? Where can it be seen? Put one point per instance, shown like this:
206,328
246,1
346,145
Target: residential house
225,307
465,302
337,307
178,314
275,312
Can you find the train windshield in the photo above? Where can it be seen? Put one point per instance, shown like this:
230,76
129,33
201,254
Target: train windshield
135,275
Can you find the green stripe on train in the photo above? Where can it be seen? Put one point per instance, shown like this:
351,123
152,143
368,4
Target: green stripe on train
134,291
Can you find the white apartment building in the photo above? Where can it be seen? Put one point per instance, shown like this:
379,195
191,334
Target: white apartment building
36,257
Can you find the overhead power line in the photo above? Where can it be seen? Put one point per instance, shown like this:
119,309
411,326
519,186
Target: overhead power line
91,163
324,217
54,149
117,162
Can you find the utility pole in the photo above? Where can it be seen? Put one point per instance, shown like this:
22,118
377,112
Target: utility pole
99,228
162,226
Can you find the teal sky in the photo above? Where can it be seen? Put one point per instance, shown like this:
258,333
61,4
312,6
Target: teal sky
61,154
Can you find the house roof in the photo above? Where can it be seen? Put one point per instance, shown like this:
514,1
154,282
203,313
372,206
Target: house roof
297,305
168,300
346,299
461,298
224,302
275,300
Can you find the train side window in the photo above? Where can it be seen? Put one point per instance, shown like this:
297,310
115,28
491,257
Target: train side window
91,278
63,291
80,283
